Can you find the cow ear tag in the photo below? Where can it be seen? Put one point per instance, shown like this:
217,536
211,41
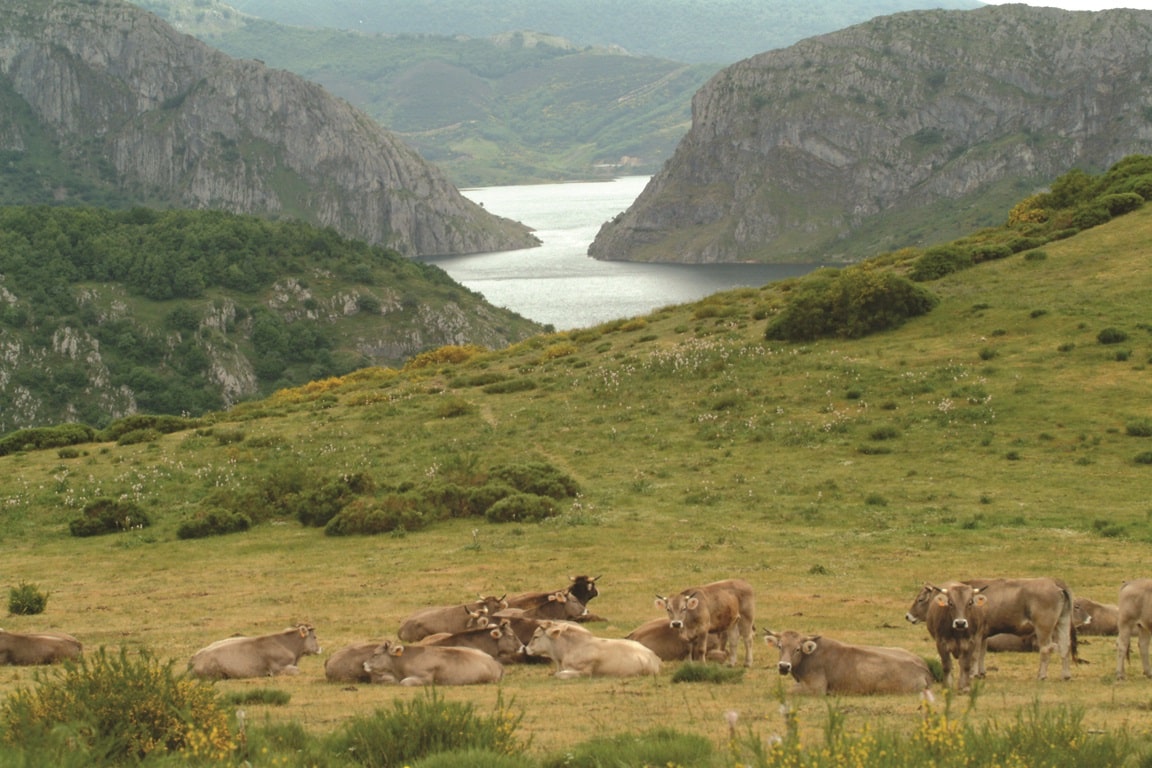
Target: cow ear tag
302,630
809,646
980,599
396,650
941,600
495,633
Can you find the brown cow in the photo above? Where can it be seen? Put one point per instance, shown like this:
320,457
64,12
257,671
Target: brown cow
27,648
957,621
578,653
498,640
727,607
551,606
1134,609
666,642
347,664
1093,618
431,665
822,665
452,618
266,655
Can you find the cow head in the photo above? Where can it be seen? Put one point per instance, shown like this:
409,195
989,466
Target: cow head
678,607
793,648
379,664
958,601
583,588
308,633
919,610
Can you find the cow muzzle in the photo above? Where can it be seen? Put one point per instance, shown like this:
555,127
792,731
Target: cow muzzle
908,617
784,667
676,624
961,624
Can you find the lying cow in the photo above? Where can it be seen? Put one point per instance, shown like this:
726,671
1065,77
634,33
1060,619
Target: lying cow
263,656
957,620
579,653
667,643
497,640
452,618
1134,615
551,606
347,664
431,665
28,648
822,666
1093,618
726,607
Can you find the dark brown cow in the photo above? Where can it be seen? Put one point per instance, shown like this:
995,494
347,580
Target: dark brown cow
1134,615
266,655
822,665
727,607
1093,618
498,640
28,648
431,665
347,664
452,618
550,606
667,643
957,621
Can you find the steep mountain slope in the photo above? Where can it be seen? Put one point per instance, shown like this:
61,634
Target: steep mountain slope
106,101
910,129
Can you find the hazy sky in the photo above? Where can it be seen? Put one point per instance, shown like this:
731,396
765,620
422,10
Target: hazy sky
1083,5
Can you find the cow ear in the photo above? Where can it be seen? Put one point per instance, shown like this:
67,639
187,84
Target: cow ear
661,602
809,646
396,650
693,603
496,632
772,638
553,631
941,599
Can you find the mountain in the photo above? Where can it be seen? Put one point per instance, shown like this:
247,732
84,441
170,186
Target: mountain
700,31
104,102
907,130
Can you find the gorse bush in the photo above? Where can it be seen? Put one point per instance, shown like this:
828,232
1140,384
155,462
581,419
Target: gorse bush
105,515
119,708
26,600
214,522
424,726
522,508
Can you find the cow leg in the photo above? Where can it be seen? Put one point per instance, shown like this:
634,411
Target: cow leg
945,662
733,644
1123,643
981,651
1145,637
748,631
1045,646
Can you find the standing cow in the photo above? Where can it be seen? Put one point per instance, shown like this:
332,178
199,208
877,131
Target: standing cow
263,656
727,607
27,648
956,617
1134,614
822,665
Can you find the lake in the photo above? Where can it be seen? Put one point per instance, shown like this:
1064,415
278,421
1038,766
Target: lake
558,283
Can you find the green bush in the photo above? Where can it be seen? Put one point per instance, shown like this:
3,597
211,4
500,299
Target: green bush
989,252
394,512
424,726
1142,428
105,515
699,672
537,478
1111,336
122,708
1018,244
137,436
1091,216
46,437
849,303
522,508
163,424
26,600
940,261
215,522
509,386
1121,203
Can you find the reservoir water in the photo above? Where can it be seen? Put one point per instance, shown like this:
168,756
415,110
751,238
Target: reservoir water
558,283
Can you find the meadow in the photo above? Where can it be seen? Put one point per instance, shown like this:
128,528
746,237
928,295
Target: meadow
1000,434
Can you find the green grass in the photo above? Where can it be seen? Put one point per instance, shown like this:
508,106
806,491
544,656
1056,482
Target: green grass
703,452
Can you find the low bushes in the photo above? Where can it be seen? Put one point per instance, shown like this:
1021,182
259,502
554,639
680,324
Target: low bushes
102,516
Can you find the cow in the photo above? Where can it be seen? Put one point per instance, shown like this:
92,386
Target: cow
347,664
453,618
579,653
262,656
821,665
658,635
431,665
956,617
1134,614
1093,618
727,607
498,640
560,605
1021,607
29,648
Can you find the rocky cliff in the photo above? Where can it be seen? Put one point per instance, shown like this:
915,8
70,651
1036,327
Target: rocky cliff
909,129
133,104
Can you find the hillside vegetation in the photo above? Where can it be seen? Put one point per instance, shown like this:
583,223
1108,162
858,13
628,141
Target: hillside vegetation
1006,431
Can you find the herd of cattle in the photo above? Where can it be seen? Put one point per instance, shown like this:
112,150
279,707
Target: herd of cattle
472,642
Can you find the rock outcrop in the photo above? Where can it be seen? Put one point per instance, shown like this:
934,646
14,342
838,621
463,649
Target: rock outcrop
162,117
909,129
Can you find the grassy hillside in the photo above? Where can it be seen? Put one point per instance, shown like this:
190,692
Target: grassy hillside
1000,434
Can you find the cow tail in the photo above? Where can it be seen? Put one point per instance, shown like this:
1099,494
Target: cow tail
1065,634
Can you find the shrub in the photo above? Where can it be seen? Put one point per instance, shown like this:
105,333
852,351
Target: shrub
509,386
395,512
46,437
1143,458
126,708
940,261
26,600
884,433
138,436
451,408
537,478
316,506
1111,336
426,725
1036,256
699,672
1018,244
162,424
105,515
522,508
215,522
1091,216
1142,428
1121,203
990,252
658,747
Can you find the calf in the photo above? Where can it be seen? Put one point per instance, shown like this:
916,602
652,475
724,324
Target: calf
957,621
1093,618
822,665
28,648
497,640
263,656
431,665
727,607
577,652
667,643
452,618
347,664
1134,614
